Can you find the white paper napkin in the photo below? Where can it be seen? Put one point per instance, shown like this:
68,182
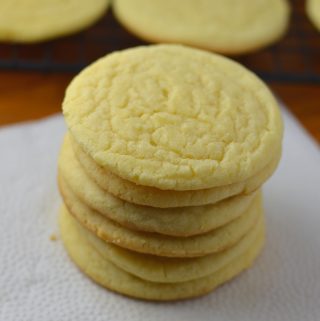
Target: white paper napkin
39,283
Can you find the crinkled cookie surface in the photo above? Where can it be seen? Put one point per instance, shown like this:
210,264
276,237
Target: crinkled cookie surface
173,117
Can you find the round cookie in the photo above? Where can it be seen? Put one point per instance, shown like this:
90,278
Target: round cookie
228,26
180,221
173,117
169,270
150,196
163,245
38,20
313,12
108,275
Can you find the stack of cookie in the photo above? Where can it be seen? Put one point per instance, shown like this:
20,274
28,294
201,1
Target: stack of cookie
161,170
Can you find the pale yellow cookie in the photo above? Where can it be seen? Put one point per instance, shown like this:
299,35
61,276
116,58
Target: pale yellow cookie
225,26
313,12
150,196
163,245
179,221
174,118
38,20
108,275
169,270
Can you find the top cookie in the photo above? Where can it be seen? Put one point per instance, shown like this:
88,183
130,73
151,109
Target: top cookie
36,20
173,117
225,26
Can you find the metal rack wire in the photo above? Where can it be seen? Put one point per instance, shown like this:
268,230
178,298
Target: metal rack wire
296,58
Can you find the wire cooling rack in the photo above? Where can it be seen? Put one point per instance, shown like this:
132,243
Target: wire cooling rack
296,58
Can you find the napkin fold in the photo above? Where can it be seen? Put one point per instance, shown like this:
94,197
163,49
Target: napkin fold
38,281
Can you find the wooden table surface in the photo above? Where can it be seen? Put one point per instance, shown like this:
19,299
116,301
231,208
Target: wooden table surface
29,95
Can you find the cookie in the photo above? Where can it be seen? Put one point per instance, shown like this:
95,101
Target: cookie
173,118
229,27
179,221
313,12
33,21
107,274
169,270
150,196
163,245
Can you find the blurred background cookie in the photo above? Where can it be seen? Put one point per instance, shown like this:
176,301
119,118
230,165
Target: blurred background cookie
39,20
228,27
313,12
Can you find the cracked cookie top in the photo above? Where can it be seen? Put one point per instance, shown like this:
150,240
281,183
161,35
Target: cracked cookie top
173,117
